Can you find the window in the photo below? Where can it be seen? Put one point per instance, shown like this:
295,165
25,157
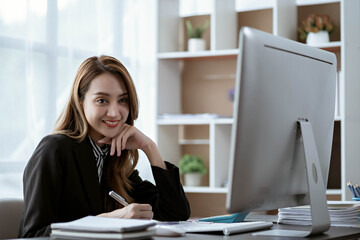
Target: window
42,43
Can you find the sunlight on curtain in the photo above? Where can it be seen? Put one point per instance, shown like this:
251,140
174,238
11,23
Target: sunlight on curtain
22,81
42,43
138,43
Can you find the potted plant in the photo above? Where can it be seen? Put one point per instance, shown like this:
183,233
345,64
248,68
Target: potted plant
195,42
193,168
315,29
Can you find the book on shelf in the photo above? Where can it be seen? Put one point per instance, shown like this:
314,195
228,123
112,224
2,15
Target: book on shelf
104,228
345,214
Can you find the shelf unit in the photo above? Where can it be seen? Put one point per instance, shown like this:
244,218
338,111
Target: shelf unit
331,46
197,82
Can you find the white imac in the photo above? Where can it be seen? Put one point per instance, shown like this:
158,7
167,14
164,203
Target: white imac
283,127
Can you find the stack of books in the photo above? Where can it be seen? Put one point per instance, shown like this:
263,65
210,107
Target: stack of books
344,214
92,227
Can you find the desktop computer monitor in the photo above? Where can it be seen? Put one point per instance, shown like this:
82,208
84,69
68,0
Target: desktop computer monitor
283,126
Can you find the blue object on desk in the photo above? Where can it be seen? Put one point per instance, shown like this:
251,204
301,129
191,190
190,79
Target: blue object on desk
230,218
355,190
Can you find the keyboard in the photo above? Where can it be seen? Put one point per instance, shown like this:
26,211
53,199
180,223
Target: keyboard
226,228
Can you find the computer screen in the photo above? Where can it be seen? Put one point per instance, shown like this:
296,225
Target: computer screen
279,83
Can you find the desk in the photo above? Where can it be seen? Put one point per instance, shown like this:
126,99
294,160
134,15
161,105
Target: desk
333,233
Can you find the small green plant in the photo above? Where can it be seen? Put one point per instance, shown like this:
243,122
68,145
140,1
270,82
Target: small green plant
196,32
191,164
315,23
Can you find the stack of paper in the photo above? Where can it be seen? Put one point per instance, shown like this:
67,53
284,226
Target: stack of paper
103,228
341,214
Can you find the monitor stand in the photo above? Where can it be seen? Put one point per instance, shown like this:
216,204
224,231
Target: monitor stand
318,204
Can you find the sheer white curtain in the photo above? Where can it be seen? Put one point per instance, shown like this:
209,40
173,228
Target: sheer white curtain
42,43
139,50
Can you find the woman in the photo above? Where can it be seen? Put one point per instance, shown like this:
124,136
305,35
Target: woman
94,149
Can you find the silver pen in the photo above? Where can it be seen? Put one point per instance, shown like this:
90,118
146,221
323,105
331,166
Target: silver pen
118,198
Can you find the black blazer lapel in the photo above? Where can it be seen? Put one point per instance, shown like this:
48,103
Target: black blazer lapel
88,170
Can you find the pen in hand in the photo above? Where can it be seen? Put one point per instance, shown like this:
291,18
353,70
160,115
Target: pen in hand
118,198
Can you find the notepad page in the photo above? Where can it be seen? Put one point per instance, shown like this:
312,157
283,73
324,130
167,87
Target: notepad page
103,224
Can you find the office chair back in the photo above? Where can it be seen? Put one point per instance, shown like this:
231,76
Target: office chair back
10,217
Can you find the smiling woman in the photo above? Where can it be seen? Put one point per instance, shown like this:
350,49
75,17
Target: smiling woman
106,106
94,149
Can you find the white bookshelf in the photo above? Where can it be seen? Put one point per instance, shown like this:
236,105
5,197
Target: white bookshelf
314,2
279,17
336,44
194,141
195,121
333,191
203,54
218,144
244,6
225,52
205,190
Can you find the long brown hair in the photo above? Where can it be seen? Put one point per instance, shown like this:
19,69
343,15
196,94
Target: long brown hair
72,121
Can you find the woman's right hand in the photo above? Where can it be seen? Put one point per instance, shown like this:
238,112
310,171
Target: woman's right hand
134,210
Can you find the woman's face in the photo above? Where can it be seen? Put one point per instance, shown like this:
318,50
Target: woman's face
106,106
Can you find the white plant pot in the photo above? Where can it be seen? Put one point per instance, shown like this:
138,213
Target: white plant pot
316,38
196,44
192,179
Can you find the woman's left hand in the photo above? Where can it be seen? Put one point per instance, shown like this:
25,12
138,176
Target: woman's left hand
129,138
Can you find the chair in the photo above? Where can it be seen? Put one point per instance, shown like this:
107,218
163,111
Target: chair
10,217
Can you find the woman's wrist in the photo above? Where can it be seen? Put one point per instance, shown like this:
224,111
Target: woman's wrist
107,214
116,213
152,152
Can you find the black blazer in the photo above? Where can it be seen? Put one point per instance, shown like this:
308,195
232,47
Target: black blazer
61,184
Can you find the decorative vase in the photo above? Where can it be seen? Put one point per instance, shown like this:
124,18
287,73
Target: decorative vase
192,179
316,38
196,44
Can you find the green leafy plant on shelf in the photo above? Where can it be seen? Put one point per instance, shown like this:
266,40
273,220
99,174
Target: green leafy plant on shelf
196,32
315,23
191,164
